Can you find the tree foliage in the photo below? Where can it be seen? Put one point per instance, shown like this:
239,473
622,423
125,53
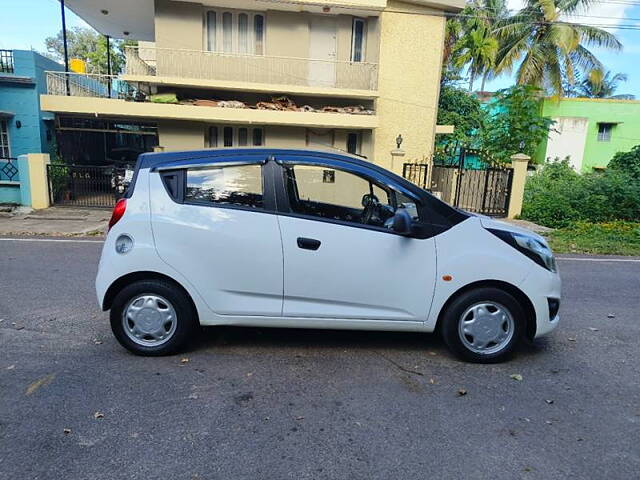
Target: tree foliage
515,124
88,45
628,162
462,109
598,85
547,49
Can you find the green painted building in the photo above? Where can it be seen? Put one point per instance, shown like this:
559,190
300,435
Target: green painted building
590,131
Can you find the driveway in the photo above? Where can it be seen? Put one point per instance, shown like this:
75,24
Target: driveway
306,404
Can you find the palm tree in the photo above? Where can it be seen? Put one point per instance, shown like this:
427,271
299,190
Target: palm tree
477,46
598,86
478,49
550,50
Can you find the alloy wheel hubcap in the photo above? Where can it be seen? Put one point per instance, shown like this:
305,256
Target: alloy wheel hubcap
149,320
486,327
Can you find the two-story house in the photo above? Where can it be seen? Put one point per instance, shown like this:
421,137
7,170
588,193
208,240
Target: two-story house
348,74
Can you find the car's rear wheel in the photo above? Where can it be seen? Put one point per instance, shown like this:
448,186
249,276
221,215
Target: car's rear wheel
483,325
152,317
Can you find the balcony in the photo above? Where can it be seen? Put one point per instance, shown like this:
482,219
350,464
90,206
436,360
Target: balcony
113,97
267,71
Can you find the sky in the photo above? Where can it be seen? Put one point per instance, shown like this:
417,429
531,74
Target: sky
24,24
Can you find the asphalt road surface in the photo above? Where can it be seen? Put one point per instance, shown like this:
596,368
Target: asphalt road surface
307,404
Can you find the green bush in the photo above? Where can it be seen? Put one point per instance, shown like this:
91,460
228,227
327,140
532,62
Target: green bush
557,196
627,162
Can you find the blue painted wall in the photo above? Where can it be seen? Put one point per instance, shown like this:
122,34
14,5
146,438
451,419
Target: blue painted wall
23,100
20,99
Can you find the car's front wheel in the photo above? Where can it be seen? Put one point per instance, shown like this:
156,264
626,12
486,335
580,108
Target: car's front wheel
152,317
483,325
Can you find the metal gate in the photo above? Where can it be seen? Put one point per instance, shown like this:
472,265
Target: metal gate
82,186
480,186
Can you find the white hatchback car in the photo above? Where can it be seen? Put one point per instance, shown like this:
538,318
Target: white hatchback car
308,239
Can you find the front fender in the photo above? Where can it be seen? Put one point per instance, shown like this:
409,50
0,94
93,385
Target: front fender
467,254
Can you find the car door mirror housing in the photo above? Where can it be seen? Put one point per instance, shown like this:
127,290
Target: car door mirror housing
402,222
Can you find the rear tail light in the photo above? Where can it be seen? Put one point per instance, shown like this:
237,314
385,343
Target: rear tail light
118,212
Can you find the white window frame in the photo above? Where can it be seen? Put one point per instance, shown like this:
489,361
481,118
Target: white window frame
234,137
363,21
5,143
235,36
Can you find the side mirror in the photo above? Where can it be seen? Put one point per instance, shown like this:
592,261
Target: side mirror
402,222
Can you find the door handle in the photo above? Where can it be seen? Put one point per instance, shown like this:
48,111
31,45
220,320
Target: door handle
308,243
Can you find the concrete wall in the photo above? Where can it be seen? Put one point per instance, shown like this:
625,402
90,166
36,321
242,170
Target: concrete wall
178,25
178,135
568,140
408,83
624,113
175,135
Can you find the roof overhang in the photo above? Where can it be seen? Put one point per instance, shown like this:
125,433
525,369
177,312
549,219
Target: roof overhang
125,19
5,114
134,19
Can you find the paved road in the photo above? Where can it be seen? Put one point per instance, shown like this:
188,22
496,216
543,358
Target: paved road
279,404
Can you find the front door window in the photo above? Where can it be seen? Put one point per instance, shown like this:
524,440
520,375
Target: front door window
335,194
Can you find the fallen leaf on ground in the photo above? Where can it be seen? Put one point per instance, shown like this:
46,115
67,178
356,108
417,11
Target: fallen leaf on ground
98,415
516,376
66,431
299,418
611,315
184,360
193,396
433,354
462,392
432,381
11,367
548,422
572,339
593,329
97,342
549,401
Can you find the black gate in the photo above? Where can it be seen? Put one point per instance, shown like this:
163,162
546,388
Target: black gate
469,181
82,186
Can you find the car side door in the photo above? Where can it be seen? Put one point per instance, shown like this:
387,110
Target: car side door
215,223
341,259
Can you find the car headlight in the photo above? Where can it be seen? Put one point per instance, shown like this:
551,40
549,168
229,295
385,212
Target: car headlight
534,248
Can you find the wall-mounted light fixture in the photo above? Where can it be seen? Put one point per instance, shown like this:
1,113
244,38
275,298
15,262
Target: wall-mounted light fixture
18,124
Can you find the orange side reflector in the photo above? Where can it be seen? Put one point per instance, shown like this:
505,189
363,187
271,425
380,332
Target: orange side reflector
447,278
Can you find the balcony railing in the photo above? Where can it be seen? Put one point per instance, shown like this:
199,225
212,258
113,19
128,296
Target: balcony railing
89,85
201,65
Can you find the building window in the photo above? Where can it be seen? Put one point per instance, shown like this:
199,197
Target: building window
231,32
211,31
235,136
604,131
5,151
354,143
358,32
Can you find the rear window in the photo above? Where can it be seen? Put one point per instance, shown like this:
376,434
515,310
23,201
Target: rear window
226,185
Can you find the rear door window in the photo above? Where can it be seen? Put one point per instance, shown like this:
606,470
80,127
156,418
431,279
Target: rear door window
234,185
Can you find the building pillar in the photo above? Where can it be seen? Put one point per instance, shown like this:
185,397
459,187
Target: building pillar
519,163
34,186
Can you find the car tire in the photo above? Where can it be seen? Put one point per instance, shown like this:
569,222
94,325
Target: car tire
153,318
483,325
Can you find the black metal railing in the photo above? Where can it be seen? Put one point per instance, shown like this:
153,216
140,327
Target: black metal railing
9,169
467,179
416,173
6,61
81,186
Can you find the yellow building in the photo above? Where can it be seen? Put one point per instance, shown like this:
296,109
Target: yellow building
349,74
